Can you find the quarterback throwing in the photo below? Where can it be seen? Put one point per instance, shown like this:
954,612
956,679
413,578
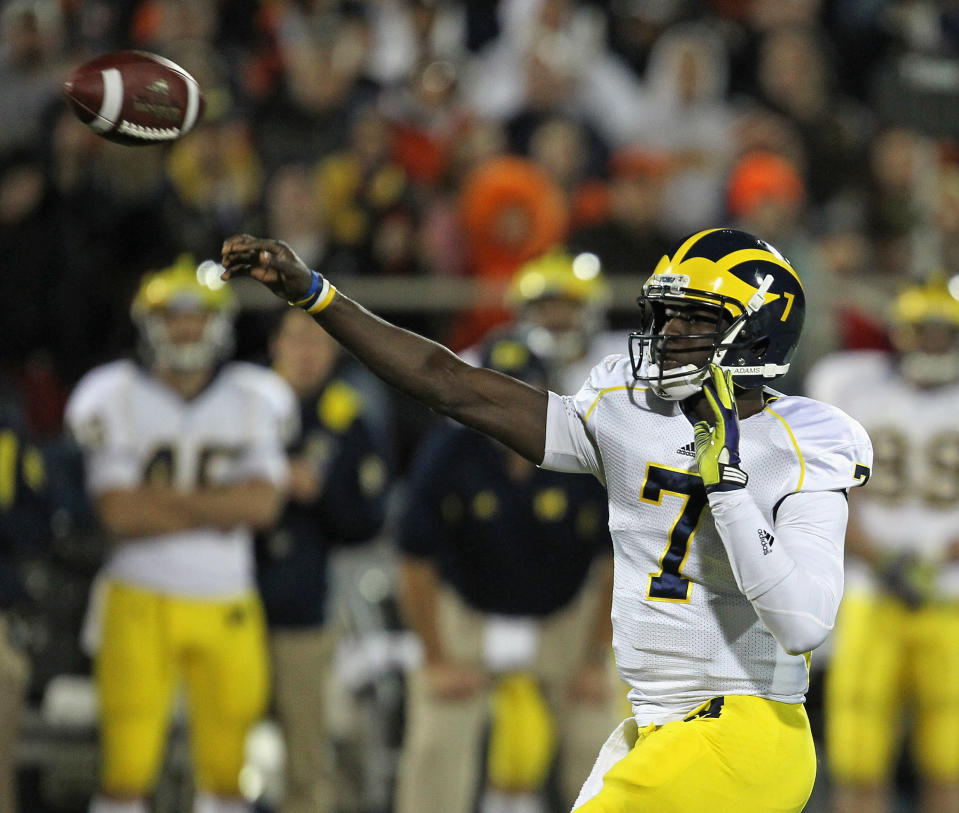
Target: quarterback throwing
727,506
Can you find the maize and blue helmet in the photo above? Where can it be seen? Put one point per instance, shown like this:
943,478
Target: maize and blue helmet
925,331
757,299
177,289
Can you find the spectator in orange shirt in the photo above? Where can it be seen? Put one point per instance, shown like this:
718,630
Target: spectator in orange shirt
511,212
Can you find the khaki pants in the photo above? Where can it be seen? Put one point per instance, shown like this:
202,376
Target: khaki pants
302,664
14,675
442,751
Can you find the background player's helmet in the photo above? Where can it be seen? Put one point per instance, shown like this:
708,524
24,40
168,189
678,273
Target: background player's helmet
925,332
758,302
177,289
559,301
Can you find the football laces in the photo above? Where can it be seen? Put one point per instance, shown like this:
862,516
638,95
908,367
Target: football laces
148,133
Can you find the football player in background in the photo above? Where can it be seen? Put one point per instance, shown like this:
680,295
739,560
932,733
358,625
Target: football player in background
505,577
338,491
896,656
559,304
185,456
727,528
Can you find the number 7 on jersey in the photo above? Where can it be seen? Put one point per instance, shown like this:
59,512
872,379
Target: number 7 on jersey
669,584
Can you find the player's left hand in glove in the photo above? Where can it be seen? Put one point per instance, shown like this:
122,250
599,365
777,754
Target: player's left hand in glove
717,449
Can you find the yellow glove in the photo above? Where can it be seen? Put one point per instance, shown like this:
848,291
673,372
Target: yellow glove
717,449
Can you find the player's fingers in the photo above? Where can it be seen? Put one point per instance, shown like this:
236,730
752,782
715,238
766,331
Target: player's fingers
719,422
237,243
243,237
233,271
250,250
257,272
232,257
728,378
722,385
728,398
701,433
709,390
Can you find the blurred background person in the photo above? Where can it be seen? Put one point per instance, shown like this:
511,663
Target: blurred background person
895,664
185,457
628,235
766,194
511,211
217,180
31,59
687,117
366,197
795,75
308,79
505,577
338,490
26,513
558,303
550,57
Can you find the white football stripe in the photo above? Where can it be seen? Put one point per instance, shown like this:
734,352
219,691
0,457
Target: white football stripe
112,101
192,104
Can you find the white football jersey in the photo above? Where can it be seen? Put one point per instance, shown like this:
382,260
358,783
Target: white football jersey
912,502
682,630
134,430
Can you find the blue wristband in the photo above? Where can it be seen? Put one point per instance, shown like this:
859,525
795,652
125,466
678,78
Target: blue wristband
311,294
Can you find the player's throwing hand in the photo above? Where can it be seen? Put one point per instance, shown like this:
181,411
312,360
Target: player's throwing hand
717,450
273,263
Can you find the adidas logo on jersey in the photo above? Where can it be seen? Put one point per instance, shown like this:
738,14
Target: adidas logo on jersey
766,539
689,449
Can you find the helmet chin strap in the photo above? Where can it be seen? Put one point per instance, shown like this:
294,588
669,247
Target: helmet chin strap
683,382
688,379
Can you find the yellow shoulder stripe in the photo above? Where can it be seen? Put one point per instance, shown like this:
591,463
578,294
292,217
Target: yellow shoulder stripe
601,393
792,438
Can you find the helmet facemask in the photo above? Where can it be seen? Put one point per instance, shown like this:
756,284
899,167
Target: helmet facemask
559,329
657,358
928,352
161,349
184,348
925,331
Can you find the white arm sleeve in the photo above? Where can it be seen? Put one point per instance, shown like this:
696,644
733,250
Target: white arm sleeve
568,445
793,573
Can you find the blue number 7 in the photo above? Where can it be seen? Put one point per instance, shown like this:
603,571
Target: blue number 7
668,584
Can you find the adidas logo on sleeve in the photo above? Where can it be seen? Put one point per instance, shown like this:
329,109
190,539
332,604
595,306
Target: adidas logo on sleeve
689,450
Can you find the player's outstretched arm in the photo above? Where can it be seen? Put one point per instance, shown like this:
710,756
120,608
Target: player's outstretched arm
497,405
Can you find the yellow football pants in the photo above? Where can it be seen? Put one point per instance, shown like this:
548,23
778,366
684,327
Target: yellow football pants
151,645
889,662
732,755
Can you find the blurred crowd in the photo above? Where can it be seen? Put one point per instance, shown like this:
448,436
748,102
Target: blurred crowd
449,140
421,138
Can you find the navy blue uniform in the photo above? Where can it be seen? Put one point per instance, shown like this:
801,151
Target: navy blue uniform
25,508
514,547
292,559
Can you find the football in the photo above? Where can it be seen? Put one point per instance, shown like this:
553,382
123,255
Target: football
135,98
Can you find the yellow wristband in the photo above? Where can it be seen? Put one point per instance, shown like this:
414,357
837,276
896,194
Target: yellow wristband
323,300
